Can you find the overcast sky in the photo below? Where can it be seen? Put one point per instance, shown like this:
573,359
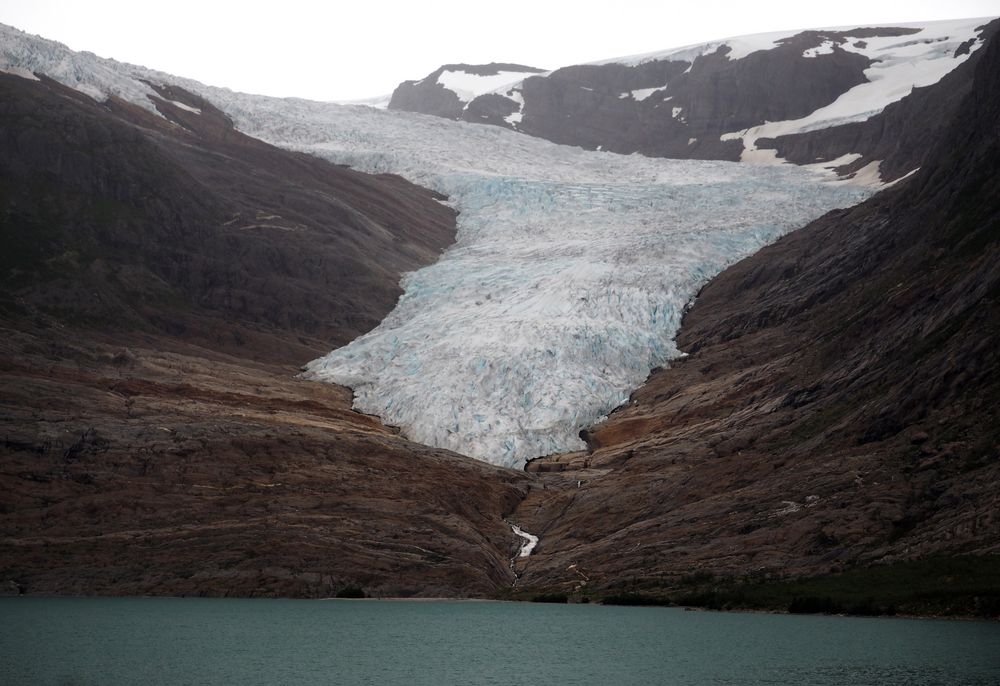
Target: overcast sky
338,50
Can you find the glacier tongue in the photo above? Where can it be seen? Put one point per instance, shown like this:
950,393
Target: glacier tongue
566,283
559,297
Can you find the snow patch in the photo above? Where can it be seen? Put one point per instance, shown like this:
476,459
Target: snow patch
468,86
514,118
902,178
641,94
868,175
186,108
824,48
530,541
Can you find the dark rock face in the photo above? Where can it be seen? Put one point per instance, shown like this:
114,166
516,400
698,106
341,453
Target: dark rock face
119,217
427,96
839,406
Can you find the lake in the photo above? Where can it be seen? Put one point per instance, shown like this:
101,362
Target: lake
150,641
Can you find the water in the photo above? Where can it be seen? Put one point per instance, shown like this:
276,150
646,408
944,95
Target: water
151,641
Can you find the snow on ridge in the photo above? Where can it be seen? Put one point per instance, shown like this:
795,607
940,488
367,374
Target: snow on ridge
186,108
741,46
568,278
641,94
94,76
379,102
898,65
467,86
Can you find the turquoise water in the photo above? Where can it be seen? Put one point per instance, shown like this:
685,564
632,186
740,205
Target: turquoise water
150,641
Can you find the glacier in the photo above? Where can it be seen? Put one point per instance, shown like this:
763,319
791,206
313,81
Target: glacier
568,278
567,281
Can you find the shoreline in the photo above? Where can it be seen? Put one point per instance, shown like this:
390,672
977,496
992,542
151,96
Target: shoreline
527,601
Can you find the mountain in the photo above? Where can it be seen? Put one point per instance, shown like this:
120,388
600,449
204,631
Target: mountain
838,408
839,96
833,415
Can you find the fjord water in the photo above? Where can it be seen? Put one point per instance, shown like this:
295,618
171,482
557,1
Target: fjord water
150,641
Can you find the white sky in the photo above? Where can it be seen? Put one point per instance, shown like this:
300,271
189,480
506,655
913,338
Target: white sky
343,50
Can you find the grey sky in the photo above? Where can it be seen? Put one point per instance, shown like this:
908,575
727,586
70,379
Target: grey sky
338,50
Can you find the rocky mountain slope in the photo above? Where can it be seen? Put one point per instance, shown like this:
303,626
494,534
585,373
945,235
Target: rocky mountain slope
811,96
838,407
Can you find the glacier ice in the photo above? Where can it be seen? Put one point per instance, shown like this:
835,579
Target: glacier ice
561,294
566,283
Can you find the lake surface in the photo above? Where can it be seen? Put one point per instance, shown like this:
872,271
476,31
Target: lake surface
151,641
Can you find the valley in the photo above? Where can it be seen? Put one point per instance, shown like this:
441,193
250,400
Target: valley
817,403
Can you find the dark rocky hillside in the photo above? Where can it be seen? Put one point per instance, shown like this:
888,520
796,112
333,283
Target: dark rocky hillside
839,407
181,225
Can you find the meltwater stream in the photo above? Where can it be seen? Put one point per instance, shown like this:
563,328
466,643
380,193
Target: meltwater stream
566,284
